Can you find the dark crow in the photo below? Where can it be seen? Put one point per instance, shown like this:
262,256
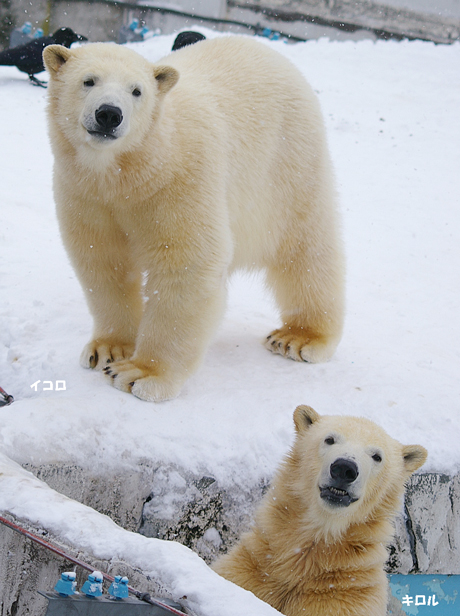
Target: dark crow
186,38
28,58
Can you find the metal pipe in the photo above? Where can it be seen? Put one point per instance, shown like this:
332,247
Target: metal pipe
49,546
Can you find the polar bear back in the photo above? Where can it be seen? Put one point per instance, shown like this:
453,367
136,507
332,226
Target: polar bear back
267,130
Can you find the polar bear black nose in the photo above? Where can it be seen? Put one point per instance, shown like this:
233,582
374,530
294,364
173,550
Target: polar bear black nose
344,470
109,117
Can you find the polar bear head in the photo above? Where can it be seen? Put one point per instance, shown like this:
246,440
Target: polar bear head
104,96
347,469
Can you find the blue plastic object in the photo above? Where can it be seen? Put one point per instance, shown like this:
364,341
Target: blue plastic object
119,587
131,33
81,605
93,585
270,34
22,35
67,585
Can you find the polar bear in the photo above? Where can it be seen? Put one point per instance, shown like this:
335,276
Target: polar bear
170,176
318,544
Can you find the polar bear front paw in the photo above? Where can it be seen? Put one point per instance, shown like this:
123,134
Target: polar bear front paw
300,344
142,381
99,353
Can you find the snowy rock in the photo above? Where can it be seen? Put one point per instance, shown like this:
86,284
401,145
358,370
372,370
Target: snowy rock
192,510
433,506
165,568
205,516
428,531
182,508
173,504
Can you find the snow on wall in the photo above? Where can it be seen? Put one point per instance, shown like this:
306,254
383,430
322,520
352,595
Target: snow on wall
183,574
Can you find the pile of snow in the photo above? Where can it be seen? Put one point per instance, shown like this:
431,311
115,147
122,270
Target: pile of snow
391,111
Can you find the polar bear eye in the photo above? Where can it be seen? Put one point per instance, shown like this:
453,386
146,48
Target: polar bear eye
136,92
89,83
377,457
329,440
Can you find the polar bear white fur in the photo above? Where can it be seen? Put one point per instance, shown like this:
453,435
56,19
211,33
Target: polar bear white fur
168,177
318,544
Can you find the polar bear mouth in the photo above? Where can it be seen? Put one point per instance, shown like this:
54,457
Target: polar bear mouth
101,134
337,496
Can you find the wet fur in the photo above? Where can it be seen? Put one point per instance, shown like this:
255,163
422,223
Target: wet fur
305,557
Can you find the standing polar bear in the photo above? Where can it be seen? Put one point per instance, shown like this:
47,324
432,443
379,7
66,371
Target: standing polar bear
168,177
318,544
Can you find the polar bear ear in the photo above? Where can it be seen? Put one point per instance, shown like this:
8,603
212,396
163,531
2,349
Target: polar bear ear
54,56
414,456
166,78
304,417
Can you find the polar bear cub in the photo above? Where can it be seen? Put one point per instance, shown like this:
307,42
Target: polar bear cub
318,544
168,177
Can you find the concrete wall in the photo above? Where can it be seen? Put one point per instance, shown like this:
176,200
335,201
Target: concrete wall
97,21
300,18
445,8
171,503
100,21
351,19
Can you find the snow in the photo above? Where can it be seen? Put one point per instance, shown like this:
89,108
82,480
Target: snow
391,111
180,571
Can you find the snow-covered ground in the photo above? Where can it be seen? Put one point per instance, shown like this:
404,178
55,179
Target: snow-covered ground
392,115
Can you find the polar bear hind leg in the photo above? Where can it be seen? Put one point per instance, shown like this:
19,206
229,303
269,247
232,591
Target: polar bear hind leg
307,279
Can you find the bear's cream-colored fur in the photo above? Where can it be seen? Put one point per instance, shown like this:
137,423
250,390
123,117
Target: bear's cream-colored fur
168,177
318,544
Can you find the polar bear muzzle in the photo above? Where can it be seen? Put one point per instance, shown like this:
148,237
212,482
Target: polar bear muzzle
343,473
108,118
